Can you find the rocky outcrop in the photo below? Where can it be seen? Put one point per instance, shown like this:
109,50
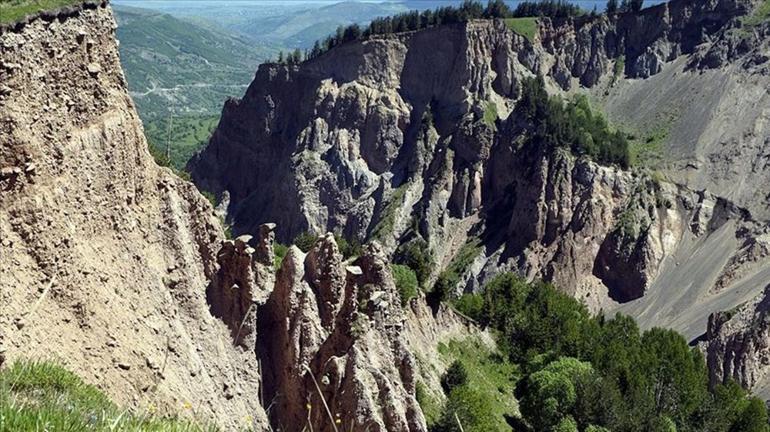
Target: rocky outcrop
738,344
416,136
332,353
106,257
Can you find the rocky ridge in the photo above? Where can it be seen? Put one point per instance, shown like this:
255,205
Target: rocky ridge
387,139
391,139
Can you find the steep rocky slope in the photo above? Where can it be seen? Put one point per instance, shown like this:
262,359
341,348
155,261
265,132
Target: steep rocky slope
394,138
105,256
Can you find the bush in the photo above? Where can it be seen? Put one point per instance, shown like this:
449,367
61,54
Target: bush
471,408
305,241
280,251
348,248
416,255
430,407
406,282
471,305
454,377
550,394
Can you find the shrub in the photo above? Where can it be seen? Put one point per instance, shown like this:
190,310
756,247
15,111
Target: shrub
550,394
406,282
280,251
348,248
454,377
471,408
305,241
430,407
416,255
471,305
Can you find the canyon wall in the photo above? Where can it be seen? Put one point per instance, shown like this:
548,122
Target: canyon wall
105,256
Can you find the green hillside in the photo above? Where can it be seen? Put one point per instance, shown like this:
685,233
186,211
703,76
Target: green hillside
14,10
177,66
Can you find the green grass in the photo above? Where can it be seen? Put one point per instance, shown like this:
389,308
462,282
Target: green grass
647,146
186,136
42,396
760,15
488,373
14,10
526,27
430,406
490,113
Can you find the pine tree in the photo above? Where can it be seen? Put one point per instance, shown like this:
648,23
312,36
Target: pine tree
612,7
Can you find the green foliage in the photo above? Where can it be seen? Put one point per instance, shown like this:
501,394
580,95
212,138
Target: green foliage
551,393
618,70
651,381
348,248
454,377
183,135
536,318
549,8
632,5
526,26
447,281
490,113
387,222
39,396
572,125
305,241
416,255
468,10
15,10
470,305
280,251
210,197
429,405
469,407
406,282
760,15
612,6
489,374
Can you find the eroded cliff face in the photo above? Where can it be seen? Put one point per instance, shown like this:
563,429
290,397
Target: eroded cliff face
331,346
738,345
106,257
417,136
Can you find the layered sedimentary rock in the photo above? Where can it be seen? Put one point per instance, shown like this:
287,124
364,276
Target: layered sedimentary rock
105,256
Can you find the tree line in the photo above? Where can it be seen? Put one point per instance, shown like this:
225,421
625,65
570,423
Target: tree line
468,10
415,20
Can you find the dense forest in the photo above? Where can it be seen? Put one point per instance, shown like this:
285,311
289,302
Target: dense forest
579,372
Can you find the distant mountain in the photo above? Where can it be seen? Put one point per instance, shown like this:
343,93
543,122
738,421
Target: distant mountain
302,28
178,66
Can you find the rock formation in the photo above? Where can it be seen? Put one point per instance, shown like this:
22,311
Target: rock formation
106,257
738,345
332,351
394,138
